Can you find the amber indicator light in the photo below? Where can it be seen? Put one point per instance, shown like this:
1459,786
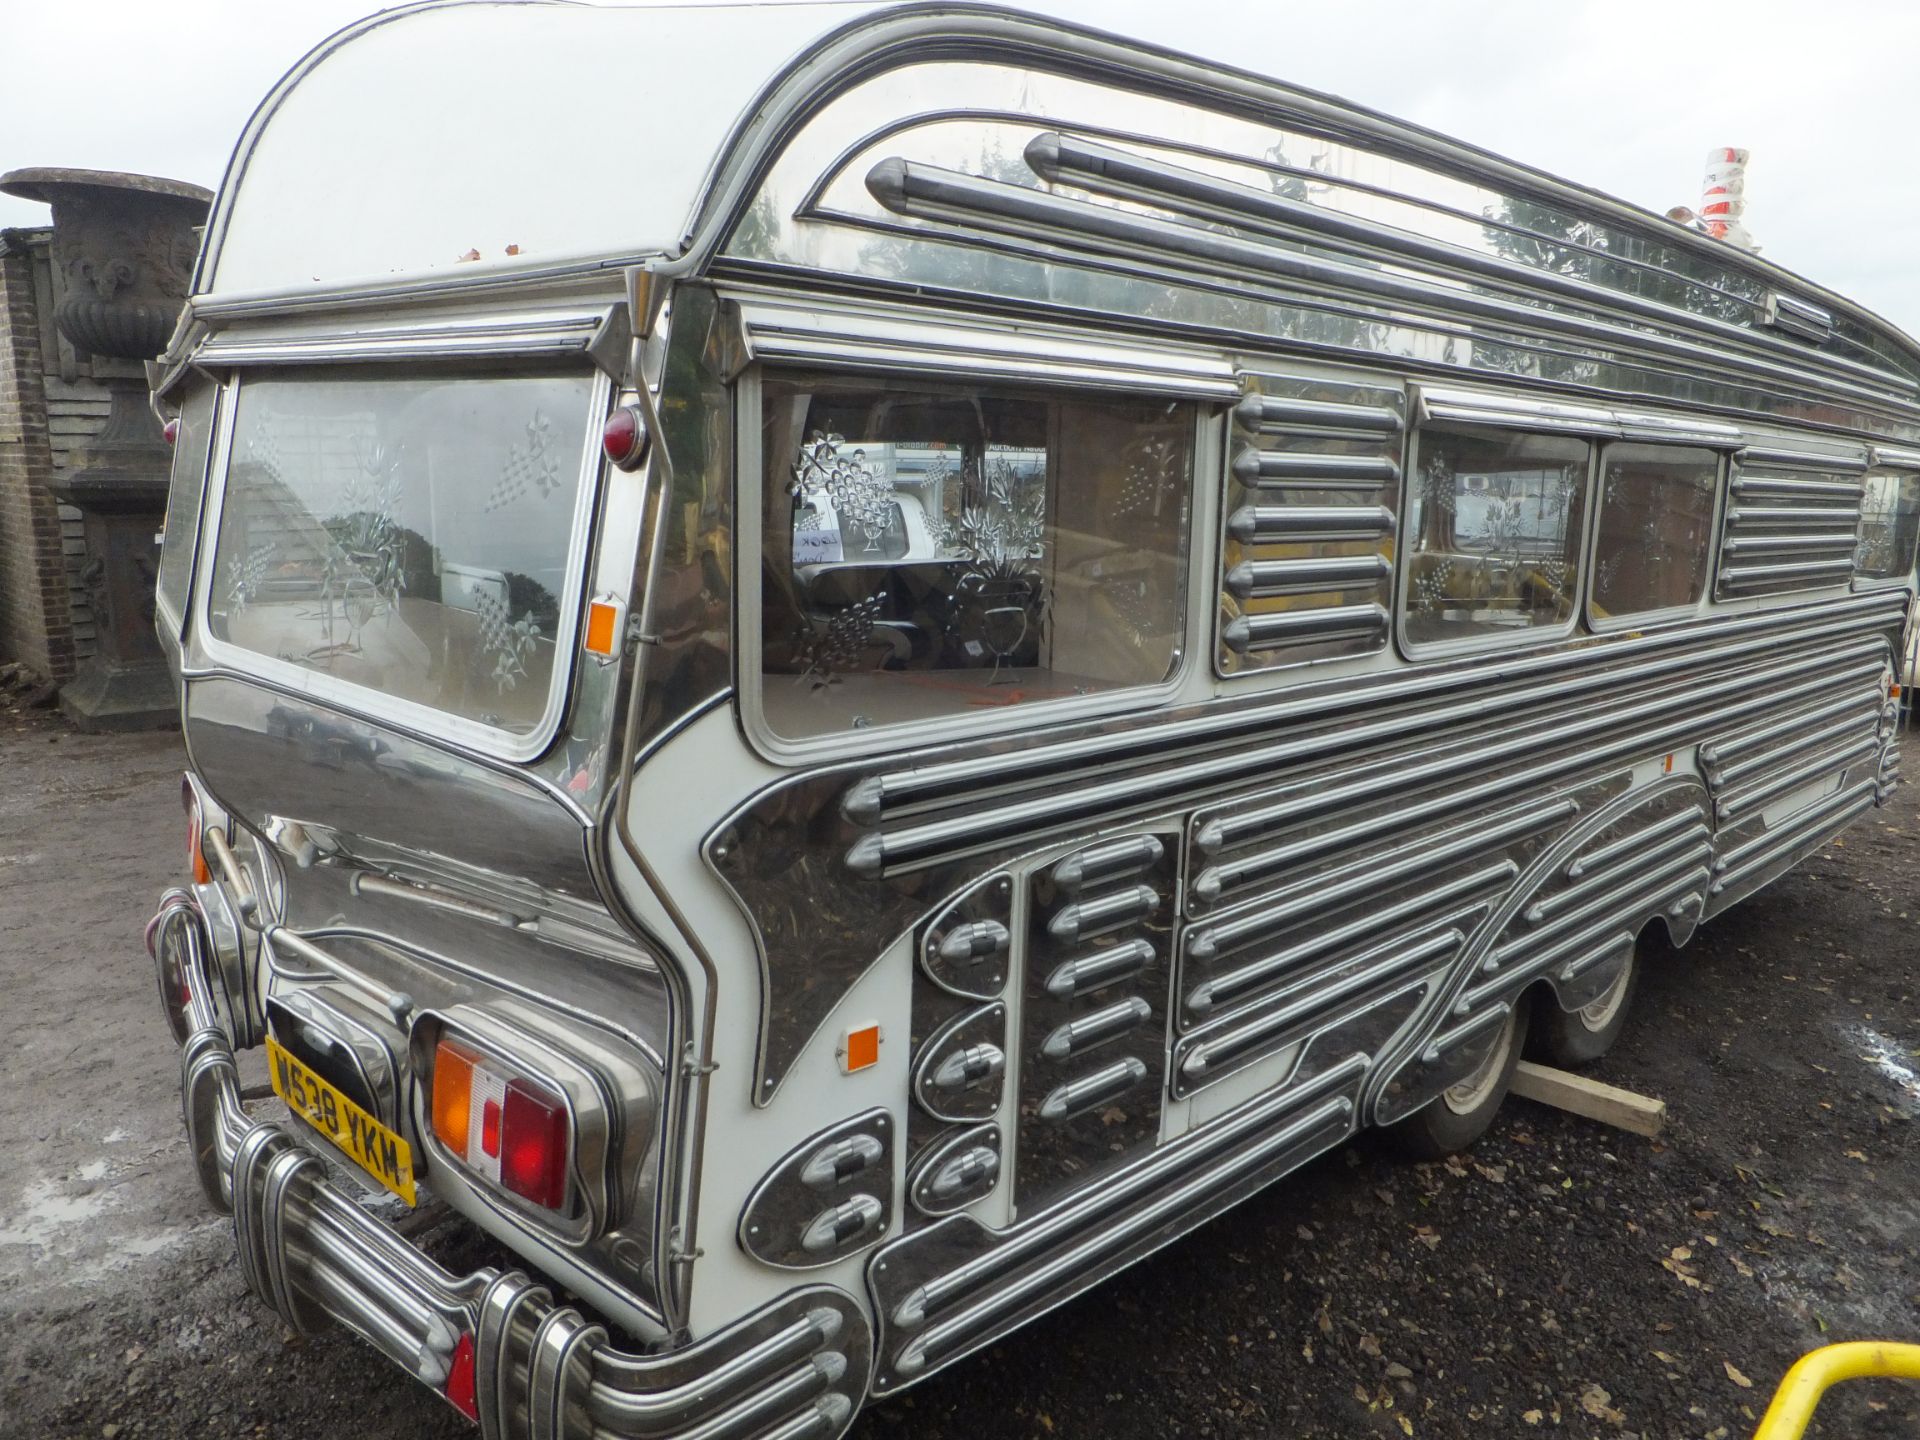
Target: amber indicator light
861,1050
603,628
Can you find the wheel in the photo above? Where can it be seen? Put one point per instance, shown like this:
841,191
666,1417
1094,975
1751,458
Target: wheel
1461,1114
1571,1038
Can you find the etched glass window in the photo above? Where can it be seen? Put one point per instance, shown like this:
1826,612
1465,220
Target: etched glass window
1889,525
185,488
1654,529
937,551
408,536
1493,533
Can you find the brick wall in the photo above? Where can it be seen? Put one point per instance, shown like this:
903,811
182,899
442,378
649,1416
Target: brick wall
36,615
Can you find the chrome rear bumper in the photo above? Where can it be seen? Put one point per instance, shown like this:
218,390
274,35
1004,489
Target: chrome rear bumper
495,1344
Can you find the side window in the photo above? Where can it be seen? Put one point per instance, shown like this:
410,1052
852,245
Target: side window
1493,533
929,551
185,490
1889,525
1654,529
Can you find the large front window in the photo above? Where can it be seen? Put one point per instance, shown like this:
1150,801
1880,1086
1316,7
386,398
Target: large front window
414,537
940,551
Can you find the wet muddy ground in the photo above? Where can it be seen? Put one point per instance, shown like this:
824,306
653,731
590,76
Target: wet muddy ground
1563,1278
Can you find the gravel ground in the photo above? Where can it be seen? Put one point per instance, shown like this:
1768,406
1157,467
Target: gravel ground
1562,1278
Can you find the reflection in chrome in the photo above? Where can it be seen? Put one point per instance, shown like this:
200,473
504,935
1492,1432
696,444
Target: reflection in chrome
1177,602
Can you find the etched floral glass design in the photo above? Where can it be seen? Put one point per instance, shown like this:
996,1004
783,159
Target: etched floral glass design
1493,533
939,550
409,536
1889,525
1654,529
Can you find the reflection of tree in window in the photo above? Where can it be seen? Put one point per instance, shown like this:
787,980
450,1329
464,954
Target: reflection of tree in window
1496,530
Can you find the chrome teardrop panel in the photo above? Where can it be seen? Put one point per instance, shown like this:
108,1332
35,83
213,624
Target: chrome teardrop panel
958,1071
967,947
827,1198
956,1172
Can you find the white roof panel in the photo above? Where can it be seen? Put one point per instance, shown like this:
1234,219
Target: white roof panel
564,131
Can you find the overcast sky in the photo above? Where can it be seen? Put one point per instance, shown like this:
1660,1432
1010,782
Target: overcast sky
1623,95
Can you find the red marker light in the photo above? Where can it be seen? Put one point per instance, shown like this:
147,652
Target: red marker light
171,430
460,1388
624,437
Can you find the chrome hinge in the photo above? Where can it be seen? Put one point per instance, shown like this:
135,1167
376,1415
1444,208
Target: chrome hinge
636,637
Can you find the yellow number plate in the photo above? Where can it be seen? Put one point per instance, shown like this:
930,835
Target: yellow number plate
360,1137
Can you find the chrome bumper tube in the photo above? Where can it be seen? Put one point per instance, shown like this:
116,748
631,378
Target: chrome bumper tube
795,1370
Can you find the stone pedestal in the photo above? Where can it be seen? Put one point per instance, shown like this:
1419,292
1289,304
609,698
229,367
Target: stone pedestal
123,246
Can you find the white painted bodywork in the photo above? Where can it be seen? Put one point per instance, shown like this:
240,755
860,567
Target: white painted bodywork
423,135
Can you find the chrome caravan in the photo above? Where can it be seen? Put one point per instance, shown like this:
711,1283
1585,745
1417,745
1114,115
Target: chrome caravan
844,668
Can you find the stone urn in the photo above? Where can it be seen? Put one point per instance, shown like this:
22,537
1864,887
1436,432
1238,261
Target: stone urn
123,252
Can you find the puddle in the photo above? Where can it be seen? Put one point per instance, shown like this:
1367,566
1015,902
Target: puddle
44,1211
1891,1059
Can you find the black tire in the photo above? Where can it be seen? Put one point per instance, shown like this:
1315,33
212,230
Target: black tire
1461,1115
1572,1038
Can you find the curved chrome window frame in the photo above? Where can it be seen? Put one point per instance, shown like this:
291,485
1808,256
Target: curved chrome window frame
865,743
1670,614
424,720
1887,460
1520,639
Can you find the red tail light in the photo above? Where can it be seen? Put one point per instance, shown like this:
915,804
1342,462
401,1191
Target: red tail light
171,430
460,1393
533,1145
508,1129
624,437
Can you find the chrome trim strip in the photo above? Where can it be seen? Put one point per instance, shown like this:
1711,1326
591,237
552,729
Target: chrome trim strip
1068,1270
1211,1051
1110,170
1796,487
1737,866
1264,524
1647,852
1285,414
1836,758
1227,984
504,336
1313,470
820,332
929,193
1848,460
1259,579
1635,658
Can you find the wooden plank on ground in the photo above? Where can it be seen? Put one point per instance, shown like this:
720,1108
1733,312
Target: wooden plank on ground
1578,1095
